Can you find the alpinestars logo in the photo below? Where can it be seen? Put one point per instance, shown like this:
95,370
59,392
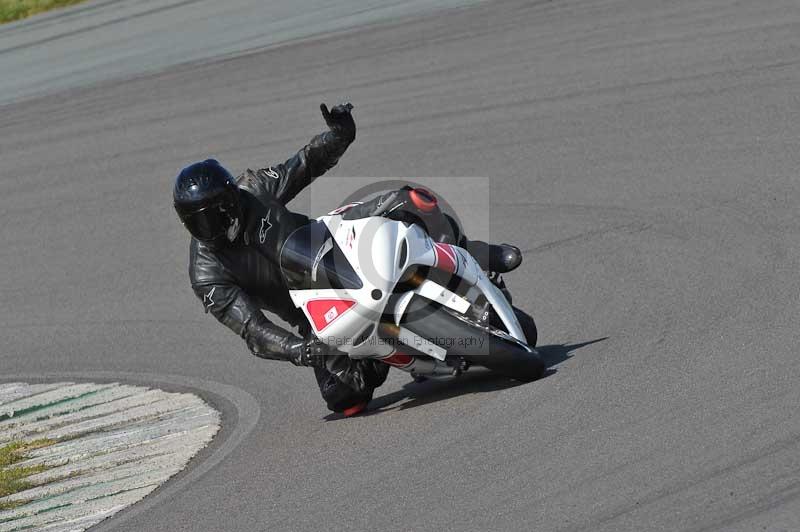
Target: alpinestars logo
207,301
272,173
266,225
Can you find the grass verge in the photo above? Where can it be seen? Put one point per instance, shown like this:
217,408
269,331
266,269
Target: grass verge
11,10
13,479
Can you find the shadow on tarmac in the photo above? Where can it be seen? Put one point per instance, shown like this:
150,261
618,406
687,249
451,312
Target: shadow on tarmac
555,354
477,380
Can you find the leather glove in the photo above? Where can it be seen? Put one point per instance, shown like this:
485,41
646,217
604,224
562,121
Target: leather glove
311,352
340,120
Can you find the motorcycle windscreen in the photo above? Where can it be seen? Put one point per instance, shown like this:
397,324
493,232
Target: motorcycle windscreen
311,260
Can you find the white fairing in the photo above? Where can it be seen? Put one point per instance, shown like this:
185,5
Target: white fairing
380,250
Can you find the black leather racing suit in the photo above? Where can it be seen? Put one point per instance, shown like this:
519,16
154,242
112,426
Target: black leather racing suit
237,281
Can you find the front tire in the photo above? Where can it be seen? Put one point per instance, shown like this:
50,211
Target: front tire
528,326
479,345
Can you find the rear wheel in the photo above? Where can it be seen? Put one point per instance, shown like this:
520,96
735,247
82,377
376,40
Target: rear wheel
478,344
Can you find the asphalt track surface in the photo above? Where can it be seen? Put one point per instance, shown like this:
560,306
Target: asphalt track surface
645,156
107,39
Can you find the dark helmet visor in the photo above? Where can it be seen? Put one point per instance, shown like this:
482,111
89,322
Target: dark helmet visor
207,224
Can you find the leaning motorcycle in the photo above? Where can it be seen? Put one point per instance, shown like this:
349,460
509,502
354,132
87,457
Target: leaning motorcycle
378,288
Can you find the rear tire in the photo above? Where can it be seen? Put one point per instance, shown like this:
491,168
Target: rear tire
479,345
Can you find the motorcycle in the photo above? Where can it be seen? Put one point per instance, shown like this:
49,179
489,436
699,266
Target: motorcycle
378,288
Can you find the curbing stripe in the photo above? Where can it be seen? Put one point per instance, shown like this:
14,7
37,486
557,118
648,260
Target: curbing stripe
103,403
18,390
114,444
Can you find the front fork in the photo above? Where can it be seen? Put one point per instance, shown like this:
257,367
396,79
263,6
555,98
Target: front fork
421,365
418,364
481,310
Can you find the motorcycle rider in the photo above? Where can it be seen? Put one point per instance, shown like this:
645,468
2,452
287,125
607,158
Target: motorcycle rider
238,227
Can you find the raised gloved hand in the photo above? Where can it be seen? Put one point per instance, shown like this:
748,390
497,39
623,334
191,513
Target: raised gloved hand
340,120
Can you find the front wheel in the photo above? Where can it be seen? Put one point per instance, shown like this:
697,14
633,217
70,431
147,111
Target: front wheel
479,345
528,326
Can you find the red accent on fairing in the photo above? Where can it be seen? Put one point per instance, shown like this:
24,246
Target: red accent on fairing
398,360
323,312
445,257
423,199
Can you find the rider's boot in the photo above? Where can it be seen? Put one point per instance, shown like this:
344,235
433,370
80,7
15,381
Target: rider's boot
420,206
504,258
496,258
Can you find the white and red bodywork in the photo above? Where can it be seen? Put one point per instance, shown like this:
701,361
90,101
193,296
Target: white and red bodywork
381,250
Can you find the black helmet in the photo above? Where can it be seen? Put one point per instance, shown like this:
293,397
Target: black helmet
206,199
